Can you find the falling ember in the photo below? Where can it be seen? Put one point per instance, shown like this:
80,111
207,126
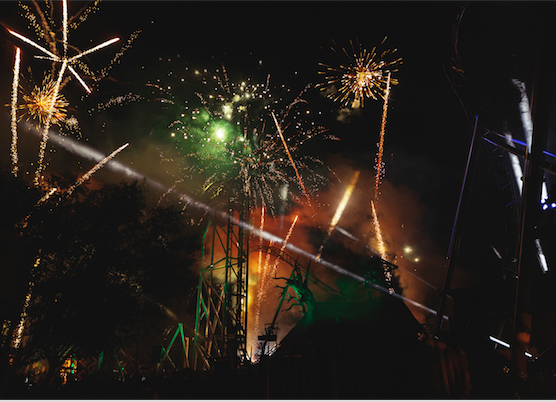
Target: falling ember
382,130
291,160
15,84
339,210
87,175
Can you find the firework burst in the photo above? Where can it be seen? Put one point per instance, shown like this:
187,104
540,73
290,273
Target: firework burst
45,104
365,76
232,137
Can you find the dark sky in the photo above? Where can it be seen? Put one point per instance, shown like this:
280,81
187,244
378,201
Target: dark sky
428,131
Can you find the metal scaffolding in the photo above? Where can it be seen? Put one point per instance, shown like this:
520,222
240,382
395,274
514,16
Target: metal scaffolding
221,317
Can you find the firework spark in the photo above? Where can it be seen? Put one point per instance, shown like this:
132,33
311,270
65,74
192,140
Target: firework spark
41,104
52,97
380,242
364,77
339,210
382,130
226,136
15,84
291,160
267,274
99,165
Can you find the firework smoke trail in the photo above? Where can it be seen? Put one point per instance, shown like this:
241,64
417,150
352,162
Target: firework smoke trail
292,162
15,85
339,210
87,175
382,130
268,273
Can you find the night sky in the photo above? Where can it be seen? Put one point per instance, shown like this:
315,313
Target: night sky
428,131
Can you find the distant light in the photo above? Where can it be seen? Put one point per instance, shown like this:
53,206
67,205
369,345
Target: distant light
498,341
544,207
407,249
220,133
172,134
553,205
541,257
528,354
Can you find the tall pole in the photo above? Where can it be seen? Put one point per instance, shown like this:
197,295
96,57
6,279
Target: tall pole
530,209
455,237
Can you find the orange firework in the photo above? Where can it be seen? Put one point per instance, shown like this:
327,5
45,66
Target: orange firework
364,77
45,104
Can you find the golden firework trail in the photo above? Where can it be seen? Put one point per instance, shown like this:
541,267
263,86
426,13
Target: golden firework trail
261,227
267,274
66,63
339,211
261,291
291,160
382,130
15,85
88,175
378,233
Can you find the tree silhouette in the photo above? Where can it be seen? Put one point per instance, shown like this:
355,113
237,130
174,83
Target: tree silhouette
106,269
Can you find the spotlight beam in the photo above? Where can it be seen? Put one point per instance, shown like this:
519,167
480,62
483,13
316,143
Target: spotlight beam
88,152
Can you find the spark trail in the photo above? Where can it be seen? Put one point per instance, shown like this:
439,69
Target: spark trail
339,210
15,85
268,273
291,160
66,63
380,242
382,130
227,136
99,165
